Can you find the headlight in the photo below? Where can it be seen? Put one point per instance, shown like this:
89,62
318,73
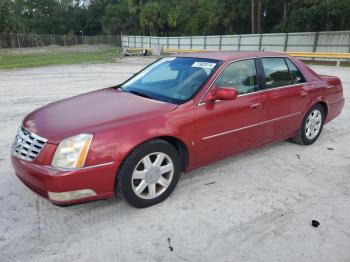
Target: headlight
71,152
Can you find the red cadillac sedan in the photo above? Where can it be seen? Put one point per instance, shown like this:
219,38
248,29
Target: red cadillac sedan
175,115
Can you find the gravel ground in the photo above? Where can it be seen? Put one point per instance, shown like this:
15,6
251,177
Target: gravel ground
257,206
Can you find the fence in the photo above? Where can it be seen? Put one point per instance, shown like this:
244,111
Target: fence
335,41
19,40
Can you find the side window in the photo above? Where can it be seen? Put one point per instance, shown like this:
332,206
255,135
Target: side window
297,76
276,72
165,72
240,75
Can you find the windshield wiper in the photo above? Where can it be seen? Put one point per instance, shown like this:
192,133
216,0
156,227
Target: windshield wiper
139,94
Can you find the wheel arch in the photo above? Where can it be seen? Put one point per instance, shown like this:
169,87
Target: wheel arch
322,102
180,147
176,142
324,106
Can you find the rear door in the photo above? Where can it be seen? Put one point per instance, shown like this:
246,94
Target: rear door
286,97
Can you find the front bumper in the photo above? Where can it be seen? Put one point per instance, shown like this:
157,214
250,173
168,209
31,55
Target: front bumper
41,179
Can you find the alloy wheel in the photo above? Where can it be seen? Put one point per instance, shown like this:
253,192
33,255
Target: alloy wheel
152,175
313,124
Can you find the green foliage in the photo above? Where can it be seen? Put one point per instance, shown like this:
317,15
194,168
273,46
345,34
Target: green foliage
150,17
117,18
9,20
172,17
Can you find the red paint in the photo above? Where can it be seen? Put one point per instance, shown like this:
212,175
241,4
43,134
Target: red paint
121,121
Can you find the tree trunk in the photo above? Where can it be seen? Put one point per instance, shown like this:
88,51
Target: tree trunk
284,21
253,15
258,23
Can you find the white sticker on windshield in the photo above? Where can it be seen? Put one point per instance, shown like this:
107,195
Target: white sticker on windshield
204,65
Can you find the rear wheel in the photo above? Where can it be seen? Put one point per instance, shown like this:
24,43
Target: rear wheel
311,126
149,174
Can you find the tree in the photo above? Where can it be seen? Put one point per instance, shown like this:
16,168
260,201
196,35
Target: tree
117,18
150,18
9,19
172,17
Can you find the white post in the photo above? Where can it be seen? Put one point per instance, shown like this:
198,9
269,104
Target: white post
36,39
19,44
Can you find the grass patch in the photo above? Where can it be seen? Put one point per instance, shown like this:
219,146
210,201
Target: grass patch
13,60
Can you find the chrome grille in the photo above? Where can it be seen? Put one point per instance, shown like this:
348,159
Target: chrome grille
27,145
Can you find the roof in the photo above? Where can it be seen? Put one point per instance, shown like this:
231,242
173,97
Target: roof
229,55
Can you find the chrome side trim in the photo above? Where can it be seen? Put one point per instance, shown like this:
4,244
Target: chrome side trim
336,101
246,127
82,168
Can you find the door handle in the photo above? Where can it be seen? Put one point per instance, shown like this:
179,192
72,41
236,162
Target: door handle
256,106
303,93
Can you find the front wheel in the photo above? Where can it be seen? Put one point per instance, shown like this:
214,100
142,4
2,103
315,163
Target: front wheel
149,174
311,126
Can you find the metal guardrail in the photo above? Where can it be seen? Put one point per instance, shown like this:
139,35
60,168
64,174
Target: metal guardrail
320,55
331,56
326,41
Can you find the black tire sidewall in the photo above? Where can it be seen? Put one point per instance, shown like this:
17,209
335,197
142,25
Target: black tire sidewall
124,176
307,141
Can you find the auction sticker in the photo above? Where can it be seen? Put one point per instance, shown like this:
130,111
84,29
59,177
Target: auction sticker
204,65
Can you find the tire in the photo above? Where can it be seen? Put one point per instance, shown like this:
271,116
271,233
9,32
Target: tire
303,135
149,174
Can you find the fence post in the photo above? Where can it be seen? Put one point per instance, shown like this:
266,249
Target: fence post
314,48
64,40
51,40
285,42
260,41
220,42
142,41
149,41
191,41
205,42
239,42
178,42
134,40
76,40
167,42
36,40
18,43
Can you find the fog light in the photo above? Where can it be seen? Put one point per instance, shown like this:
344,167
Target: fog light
71,195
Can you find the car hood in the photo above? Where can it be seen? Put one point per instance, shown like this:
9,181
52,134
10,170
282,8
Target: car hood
90,112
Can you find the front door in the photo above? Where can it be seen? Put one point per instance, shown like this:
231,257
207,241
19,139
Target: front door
230,126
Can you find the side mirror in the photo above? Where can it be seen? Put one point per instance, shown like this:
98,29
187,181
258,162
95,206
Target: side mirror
222,93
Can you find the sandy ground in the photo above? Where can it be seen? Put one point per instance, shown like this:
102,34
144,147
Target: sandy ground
257,206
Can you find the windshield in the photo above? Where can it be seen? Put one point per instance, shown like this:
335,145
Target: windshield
172,79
